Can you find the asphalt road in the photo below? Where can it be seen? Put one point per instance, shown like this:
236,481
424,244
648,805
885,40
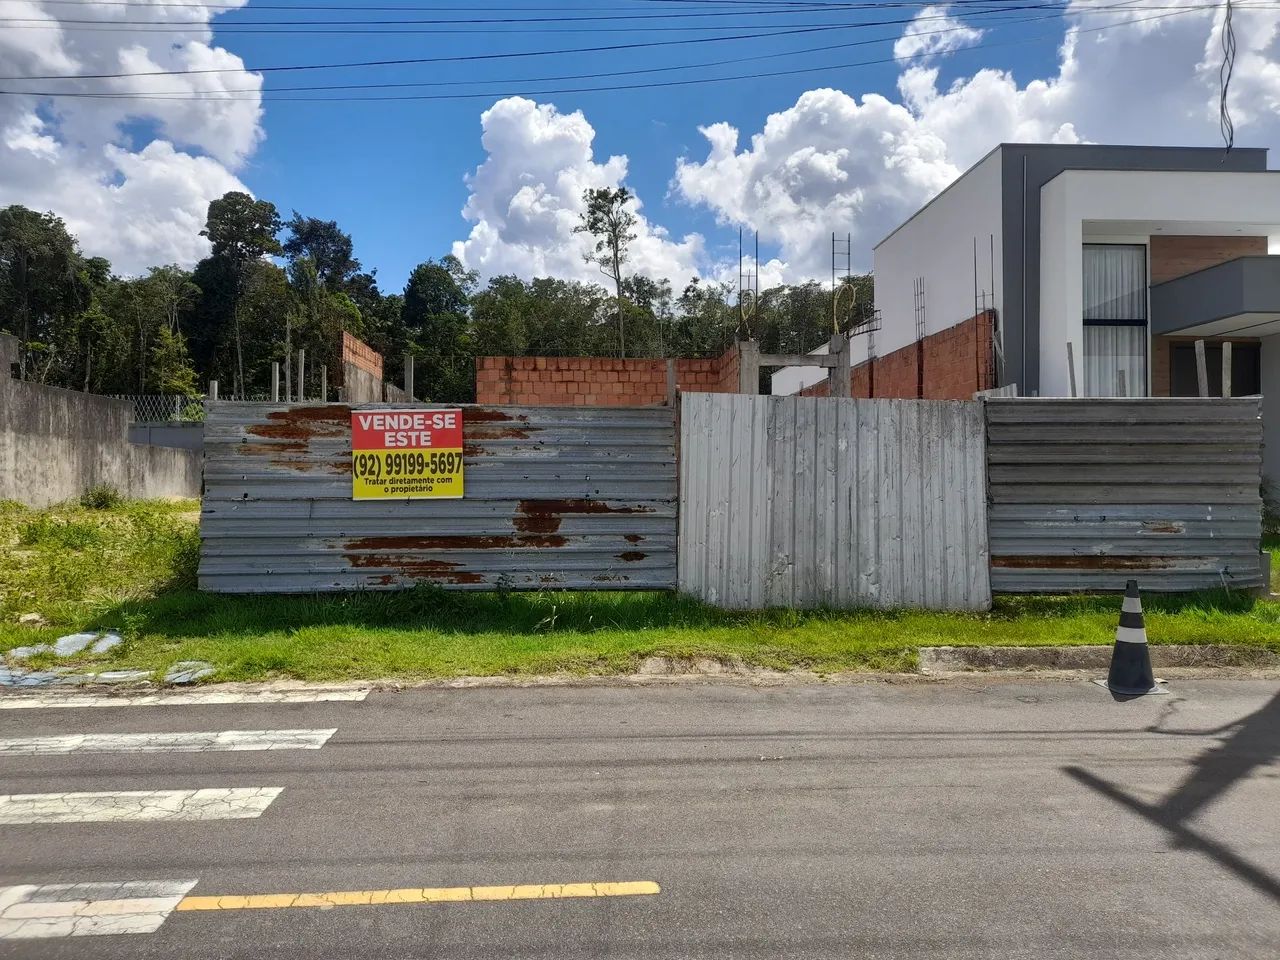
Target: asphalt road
981,818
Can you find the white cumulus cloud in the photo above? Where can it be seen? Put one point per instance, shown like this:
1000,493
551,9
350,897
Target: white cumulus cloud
837,161
132,178
934,31
526,198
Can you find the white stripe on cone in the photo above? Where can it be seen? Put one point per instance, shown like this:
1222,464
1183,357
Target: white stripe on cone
1131,634
1132,605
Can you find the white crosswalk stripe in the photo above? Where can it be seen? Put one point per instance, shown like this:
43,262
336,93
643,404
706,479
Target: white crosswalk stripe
214,741
93,908
237,803
87,909
32,701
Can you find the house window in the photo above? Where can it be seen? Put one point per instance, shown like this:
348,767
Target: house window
1115,320
1246,369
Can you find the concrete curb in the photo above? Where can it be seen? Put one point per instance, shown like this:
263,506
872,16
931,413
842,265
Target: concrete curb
942,660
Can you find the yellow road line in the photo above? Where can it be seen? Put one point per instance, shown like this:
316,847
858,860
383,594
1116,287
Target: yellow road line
362,898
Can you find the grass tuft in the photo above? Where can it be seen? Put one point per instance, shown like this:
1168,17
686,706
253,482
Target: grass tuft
132,567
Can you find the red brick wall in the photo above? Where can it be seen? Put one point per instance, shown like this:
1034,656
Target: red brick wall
597,381
957,364
359,353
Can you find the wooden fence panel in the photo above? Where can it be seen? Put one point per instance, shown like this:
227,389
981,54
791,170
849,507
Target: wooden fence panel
817,502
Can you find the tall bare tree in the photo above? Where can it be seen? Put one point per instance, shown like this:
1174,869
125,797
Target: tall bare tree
612,225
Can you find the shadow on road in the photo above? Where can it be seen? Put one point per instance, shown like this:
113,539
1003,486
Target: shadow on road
1248,743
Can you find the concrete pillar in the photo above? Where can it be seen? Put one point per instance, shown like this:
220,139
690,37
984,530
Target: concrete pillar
275,382
839,377
302,370
1270,362
748,367
408,375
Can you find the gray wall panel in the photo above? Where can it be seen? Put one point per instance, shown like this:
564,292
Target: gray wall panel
1086,494
581,498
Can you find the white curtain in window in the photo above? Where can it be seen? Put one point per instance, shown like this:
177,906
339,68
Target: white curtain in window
1115,360
1115,282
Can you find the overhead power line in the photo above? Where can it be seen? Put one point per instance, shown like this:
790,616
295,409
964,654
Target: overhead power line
788,6
669,68
474,57
323,27
397,27
599,89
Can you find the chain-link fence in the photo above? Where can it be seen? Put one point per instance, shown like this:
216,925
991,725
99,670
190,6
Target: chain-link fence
164,408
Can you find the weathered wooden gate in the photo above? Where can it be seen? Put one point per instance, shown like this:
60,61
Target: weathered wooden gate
812,502
556,497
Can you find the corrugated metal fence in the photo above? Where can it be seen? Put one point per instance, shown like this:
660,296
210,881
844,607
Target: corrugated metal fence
1088,493
807,502
560,497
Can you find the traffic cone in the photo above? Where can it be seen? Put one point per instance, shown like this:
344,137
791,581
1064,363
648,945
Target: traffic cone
1130,673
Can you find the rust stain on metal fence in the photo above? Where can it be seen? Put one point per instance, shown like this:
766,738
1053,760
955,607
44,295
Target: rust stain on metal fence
544,516
304,423
1154,526
1084,562
439,571
269,449
456,543
558,498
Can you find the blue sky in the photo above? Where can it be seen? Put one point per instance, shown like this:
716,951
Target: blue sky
392,173
841,147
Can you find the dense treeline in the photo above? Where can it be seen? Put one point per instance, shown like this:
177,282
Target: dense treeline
270,287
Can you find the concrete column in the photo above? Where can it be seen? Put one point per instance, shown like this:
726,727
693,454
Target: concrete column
839,377
302,370
748,367
408,375
1270,362
275,382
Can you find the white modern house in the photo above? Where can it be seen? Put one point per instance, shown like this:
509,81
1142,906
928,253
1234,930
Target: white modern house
1102,263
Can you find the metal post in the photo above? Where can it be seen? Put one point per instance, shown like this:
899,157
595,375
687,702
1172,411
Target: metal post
1226,368
408,375
324,383
1071,367
275,381
840,375
1202,371
748,367
302,369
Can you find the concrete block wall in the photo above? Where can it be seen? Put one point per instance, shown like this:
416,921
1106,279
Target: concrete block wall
957,364
55,444
598,381
361,369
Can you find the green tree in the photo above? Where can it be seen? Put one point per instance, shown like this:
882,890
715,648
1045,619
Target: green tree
169,368
242,231
434,314
705,320
611,225
324,243
42,284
